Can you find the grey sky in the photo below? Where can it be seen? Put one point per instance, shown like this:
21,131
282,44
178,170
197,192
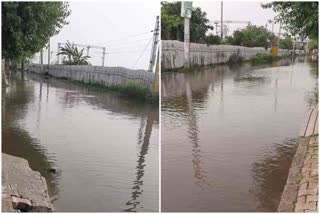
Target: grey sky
238,10
111,24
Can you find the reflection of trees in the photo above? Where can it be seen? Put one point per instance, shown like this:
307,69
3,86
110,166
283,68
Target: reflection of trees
313,95
143,142
15,140
199,172
270,175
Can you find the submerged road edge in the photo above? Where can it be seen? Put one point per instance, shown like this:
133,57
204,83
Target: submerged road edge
300,193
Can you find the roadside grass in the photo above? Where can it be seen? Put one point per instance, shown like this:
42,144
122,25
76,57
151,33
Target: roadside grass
233,60
131,90
264,58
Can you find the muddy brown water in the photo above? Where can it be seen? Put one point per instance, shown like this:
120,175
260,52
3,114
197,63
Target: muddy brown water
229,134
103,147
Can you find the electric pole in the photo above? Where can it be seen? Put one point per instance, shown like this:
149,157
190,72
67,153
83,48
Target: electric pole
103,55
154,45
49,54
186,12
58,56
221,20
41,59
279,35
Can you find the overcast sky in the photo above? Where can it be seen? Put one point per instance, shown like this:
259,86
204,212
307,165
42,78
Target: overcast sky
123,27
237,11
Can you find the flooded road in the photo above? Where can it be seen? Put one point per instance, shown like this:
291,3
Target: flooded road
104,147
229,134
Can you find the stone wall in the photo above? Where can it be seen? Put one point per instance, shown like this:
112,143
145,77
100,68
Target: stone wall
22,188
202,54
106,76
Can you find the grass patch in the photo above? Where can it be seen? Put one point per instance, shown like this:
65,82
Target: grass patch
234,59
190,69
134,90
131,90
263,58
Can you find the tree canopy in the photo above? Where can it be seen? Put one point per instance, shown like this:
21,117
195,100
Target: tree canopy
313,44
286,43
298,18
27,26
172,24
251,36
213,39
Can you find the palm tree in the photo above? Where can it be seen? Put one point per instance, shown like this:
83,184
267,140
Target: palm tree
75,57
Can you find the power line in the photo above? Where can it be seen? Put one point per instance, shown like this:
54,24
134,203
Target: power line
131,36
132,43
142,52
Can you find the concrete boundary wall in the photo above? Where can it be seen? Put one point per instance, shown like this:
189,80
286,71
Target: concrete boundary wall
202,54
106,76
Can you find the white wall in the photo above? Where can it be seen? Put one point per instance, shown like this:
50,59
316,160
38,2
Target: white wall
106,76
202,54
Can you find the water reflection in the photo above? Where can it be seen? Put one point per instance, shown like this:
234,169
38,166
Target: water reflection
270,175
230,115
143,143
17,141
199,172
100,144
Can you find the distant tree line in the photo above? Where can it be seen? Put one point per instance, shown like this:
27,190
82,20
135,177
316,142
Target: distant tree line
301,21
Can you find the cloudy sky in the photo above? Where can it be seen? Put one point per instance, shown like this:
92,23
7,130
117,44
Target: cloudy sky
123,27
238,11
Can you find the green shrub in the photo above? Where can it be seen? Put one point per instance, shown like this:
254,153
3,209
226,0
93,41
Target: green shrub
262,57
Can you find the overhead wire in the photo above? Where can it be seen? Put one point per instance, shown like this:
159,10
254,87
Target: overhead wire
129,37
143,52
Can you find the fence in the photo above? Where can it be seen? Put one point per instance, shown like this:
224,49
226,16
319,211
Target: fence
105,76
202,54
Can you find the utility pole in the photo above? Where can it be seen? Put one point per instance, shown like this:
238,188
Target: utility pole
272,25
58,56
154,45
294,46
41,59
186,12
103,55
186,42
49,54
88,50
221,20
279,35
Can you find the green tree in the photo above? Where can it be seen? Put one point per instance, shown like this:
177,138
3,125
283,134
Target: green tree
213,39
73,54
298,18
228,40
27,27
313,44
172,24
252,36
286,43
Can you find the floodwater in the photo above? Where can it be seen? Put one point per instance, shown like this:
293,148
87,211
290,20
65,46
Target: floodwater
229,134
104,147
